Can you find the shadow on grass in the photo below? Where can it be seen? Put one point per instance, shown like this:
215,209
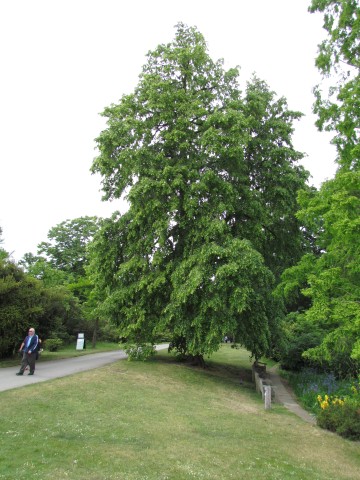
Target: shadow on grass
216,368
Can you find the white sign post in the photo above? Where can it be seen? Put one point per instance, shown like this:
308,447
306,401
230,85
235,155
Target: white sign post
80,342
267,396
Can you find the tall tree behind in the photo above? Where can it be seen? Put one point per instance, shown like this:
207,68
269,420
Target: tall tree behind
182,149
66,249
65,262
272,178
24,301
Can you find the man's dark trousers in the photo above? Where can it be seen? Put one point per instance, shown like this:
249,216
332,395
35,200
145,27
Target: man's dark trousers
28,359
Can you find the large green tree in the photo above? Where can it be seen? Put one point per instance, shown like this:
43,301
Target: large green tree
211,180
328,282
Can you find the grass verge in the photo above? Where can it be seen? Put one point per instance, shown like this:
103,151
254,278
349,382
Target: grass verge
166,421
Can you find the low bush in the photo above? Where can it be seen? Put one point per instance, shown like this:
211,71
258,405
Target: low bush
53,344
335,402
299,338
139,352
341,416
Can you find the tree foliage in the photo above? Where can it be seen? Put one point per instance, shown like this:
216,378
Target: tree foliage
24,301
40,268
3,253
66,250
211,179
63,262
339,59
330,280
267,190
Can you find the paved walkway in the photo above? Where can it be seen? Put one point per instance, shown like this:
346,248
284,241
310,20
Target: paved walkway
284,395
59,368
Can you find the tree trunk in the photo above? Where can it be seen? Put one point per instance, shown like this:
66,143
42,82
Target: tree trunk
198,361
94,338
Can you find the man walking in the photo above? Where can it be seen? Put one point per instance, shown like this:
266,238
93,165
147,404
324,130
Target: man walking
29,350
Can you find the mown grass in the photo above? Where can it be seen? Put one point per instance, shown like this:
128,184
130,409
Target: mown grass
163,420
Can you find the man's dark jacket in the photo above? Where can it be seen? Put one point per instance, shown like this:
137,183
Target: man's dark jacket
33,344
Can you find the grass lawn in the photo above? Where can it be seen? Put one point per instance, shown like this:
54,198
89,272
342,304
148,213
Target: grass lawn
163,420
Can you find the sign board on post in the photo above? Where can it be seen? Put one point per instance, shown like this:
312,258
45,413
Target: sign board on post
80,342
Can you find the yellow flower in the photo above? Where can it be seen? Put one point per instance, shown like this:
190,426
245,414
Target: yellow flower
338,401
324,404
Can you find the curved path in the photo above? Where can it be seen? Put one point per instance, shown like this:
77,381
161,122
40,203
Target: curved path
59,368
284,395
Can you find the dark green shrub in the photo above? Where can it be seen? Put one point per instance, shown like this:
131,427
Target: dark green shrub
53,344
298,342
108,333
335,353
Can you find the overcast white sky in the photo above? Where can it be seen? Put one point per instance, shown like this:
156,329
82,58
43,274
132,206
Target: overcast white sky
63,61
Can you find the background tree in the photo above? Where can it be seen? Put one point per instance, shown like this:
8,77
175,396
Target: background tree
194,160
40,268
66,250
62,263
24,301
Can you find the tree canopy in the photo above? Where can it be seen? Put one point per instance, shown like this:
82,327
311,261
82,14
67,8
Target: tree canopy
65,263
25,301
339,60
211,178
66,248
329,280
